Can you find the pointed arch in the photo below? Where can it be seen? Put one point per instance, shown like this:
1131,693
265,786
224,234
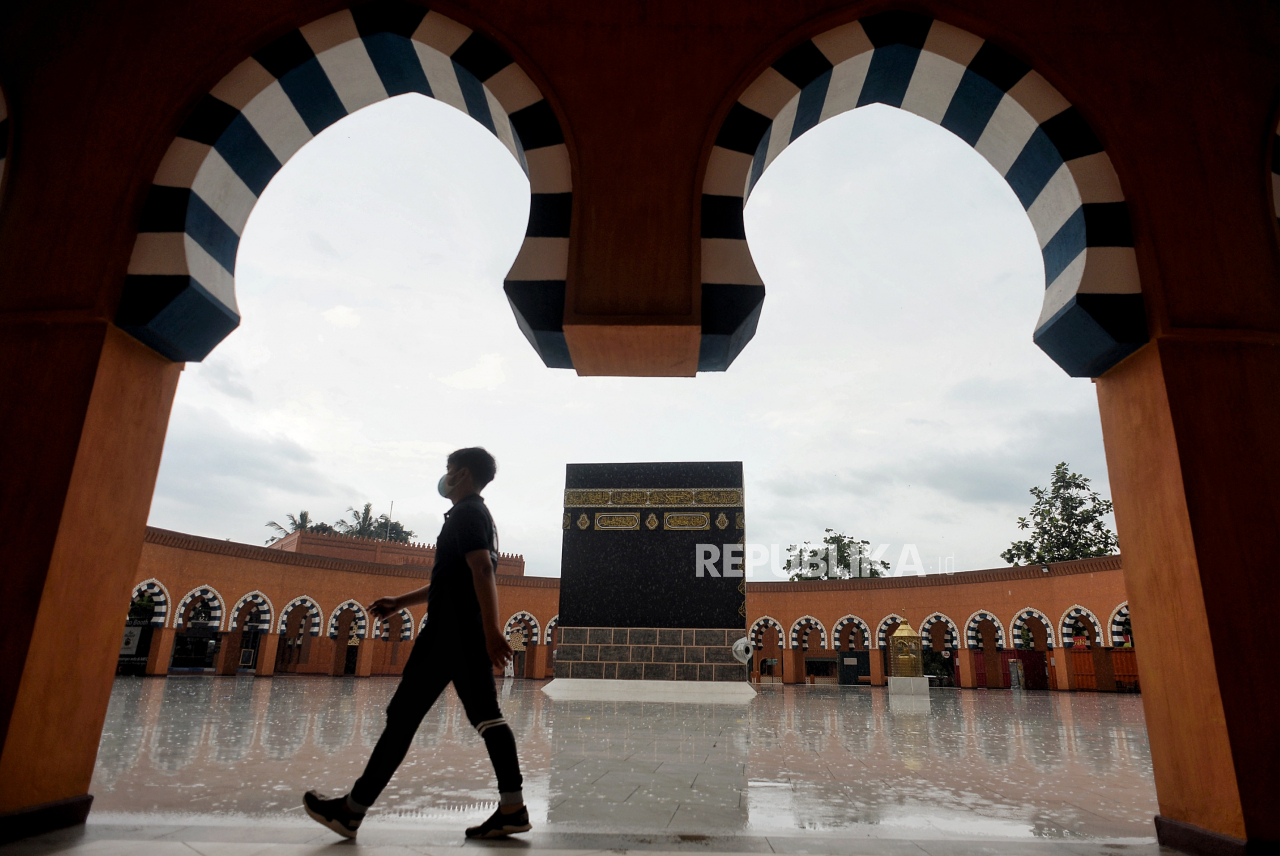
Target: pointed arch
309,606
837,631
952,639
758,628
551,627
1119,616
422,624
803,627
262,613
382,627
882,629
1092,316
1069,617
1031,614
535,629
361,619
179,296
159,598
971,629
210,596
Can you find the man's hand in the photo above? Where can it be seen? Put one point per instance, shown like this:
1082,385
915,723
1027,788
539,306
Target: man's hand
500,652
384,606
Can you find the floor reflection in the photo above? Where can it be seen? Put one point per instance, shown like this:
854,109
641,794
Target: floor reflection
971,762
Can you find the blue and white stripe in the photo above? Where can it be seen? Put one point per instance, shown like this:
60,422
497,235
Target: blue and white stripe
1069,618
179,296
802,630
837,632
952,636
159,599
551,627
1092,316
882,631
259,618
210,597
361,618
309,606
1031,614
759,626
534,629
382,627
1119,616
972,638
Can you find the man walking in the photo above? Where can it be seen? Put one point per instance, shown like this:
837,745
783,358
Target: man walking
461,642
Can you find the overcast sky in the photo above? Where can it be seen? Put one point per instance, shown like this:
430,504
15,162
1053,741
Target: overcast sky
892,390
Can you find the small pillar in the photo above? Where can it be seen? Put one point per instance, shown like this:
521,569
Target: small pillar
876,660
1103,670
364,657
161,650
967,668
535,661
227,660
268,646
1060,661
792,666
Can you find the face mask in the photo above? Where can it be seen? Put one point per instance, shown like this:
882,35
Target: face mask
443,485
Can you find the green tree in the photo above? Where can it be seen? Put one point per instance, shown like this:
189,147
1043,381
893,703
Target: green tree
852,558
1066,522
364,524
301,523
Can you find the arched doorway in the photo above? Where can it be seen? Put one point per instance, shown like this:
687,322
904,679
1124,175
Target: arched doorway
1033,642
850,637
348,626
198,622
299,628
524,634
767,651
148,613
939,641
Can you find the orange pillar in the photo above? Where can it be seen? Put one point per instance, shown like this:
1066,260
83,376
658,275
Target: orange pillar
876,659
967,668
1189,424
161,650
535,661
268,647
87,407
1104,672
364,657
792,666
227,660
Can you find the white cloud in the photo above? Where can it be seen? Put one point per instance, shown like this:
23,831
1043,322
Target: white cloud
485,374
342,316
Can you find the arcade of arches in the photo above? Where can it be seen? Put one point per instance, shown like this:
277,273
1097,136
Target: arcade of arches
1138,136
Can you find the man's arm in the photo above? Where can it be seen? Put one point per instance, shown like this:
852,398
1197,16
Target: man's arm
384,606
482,576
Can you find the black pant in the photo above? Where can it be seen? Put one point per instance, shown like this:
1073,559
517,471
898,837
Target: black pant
444,652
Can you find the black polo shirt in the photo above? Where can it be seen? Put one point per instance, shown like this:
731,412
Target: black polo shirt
467,527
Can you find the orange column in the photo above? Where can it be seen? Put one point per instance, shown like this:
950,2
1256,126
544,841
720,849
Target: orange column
876,659
1189,423
535,661
60,654
227,660
968,670
1060,669
161,650
792,666
364,657
268,647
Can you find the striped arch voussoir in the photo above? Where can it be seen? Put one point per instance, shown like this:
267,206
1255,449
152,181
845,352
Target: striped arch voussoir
159,597
179,295
971,629
1030,614
361,618
210,597
953,633
1118,617
260,617
882,630
382,627
837,632
309,606
758,628
522,617
1092,315
803,628
1069,617
551,628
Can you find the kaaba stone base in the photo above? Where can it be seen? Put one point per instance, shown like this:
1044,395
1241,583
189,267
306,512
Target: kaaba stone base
648,653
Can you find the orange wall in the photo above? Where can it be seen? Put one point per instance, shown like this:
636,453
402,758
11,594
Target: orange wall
381,552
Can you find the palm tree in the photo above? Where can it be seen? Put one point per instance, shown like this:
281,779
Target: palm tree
301,523
363,524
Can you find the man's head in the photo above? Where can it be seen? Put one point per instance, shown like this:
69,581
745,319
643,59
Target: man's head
469,471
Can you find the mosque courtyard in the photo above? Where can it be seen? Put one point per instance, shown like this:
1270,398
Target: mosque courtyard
218,765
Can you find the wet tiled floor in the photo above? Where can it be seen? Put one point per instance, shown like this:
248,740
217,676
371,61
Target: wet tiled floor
799,769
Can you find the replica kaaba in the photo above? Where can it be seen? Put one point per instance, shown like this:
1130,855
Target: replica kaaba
635,601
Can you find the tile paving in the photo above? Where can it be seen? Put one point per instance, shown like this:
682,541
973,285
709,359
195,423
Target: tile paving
217,765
